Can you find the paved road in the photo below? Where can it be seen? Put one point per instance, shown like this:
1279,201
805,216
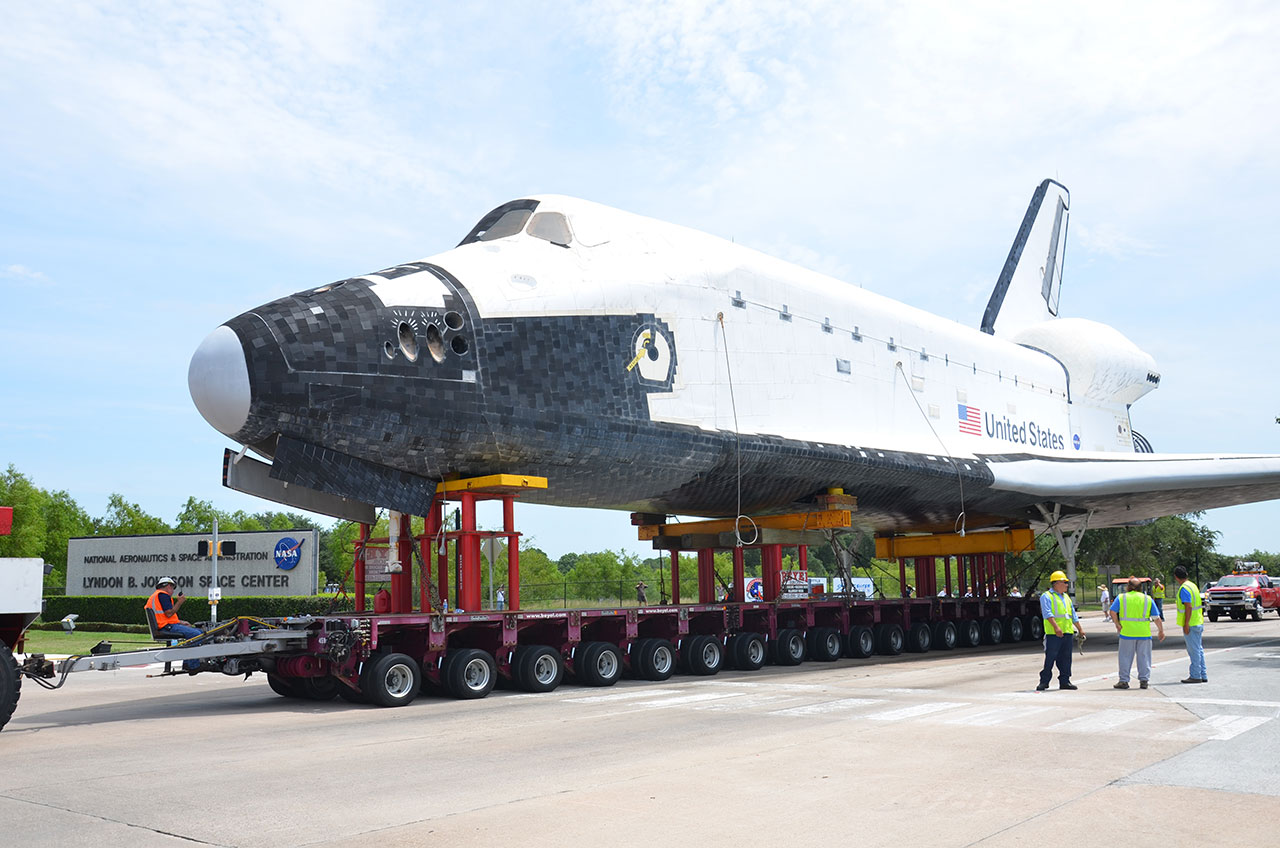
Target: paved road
942,749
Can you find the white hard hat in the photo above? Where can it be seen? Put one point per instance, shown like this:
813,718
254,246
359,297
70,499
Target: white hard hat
164,580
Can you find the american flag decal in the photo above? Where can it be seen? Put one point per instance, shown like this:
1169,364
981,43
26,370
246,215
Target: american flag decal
970,420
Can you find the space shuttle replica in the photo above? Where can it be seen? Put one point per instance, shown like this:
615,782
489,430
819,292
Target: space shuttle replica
643,366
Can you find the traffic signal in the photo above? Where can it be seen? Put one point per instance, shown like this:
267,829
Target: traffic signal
225,548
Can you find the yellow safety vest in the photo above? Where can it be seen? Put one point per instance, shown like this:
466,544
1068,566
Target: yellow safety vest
1135,615
1060,608
1197,609
1157,591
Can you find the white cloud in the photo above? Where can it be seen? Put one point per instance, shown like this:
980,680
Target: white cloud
23,274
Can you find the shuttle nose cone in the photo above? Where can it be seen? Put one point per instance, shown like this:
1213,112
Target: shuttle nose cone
219,381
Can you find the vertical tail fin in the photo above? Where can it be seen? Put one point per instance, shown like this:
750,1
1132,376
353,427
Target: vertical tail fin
1031,280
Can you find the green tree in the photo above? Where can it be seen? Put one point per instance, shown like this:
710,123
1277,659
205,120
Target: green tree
29,536
64,520
128,519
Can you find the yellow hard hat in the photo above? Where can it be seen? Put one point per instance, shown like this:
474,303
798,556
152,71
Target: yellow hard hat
1056,576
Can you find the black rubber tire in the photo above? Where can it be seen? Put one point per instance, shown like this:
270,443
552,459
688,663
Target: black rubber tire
789,648
391,680
1256,614
1013,629
860,642
1213,616
890,640
702,655
920,638
541,668
945,636
1035,626
10,684
470,674
992,631
285,687
749,652
653,659
598,664
970,633
824,644
319,688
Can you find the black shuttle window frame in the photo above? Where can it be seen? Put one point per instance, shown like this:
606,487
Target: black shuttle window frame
507,220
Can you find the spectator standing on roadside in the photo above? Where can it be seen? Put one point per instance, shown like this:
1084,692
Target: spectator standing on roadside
1061,623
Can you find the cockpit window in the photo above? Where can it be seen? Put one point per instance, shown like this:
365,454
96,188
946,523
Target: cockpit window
552,227
507,220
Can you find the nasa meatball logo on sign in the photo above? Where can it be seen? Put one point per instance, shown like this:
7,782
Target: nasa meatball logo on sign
286,553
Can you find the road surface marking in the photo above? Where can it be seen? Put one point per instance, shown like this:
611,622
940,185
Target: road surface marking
828,707
1099,721
1226,702
916,711
685,699
1220,727
745,703
999,715
620,696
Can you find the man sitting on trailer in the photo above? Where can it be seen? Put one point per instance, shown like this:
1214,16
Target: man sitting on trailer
165,608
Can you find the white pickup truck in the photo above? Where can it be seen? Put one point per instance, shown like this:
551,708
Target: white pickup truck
21,593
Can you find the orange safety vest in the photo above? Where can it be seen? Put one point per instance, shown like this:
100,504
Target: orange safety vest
163,619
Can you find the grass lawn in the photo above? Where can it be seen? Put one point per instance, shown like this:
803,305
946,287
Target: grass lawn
79,642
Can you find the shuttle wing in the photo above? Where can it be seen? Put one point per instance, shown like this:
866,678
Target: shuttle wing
1124,489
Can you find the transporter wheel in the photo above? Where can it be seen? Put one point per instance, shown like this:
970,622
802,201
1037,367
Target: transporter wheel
598,664
541,668
1013,629
824,644
992,631
391,680
945,635
319,688
861,641
1035,626
891,640
789,647
285,687
10,684
471,674
703,655
970,632
920,638
749,652
656,659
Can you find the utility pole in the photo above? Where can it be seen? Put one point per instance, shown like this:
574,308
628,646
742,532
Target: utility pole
215,591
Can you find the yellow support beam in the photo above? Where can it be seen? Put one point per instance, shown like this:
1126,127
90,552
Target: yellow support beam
492,484
1012,541
827,519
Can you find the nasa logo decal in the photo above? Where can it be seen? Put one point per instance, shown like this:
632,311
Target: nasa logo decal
287,553
653,355
1075,441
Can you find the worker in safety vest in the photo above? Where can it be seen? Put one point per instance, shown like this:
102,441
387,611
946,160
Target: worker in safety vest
1191,620
1132,612
1157,595
166,606
1061,623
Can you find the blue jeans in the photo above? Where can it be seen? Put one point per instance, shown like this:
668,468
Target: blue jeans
1057,649
183,631
1195,650
1159,602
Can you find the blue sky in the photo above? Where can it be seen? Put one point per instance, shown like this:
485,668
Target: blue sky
164,167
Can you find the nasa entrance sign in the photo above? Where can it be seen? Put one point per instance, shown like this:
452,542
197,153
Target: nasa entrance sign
267,562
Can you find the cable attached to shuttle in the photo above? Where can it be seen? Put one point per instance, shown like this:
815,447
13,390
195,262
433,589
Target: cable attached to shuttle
737,438
959,525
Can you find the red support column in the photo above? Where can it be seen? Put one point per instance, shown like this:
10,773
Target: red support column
469,582
358,565
513,552
430,529
771,560
706,576
739,577
675,577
